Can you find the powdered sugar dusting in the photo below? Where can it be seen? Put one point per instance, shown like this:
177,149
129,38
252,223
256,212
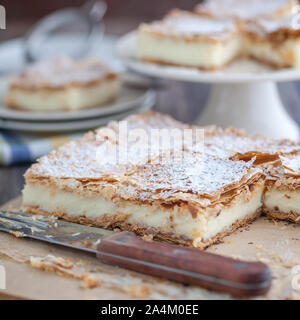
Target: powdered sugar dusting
81,158
230,144
265,27
197,175
207,176
244,9
291,164
77,159
61,71
188,24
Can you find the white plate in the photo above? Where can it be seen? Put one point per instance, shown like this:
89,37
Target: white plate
237,72
61,126
129,98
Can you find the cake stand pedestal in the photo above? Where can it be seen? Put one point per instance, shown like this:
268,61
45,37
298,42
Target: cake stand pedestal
244,95
254,106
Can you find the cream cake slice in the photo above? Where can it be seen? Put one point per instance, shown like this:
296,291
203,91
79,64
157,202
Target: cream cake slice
274,42
62,84
186,39
246,10
210,42
282,194
195,201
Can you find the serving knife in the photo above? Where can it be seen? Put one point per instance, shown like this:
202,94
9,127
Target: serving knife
124,249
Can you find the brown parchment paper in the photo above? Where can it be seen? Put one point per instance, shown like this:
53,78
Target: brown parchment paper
71,274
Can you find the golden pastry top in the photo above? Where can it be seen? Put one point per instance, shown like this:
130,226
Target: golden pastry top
291,165
236,144
60,73
228,164
190,26
246,9
221,25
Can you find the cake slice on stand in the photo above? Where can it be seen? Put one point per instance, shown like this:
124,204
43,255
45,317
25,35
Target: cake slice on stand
246,10
186,39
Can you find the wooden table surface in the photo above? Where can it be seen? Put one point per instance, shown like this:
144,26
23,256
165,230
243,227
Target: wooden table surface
184,101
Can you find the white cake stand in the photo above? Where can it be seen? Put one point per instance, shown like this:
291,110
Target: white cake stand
244,95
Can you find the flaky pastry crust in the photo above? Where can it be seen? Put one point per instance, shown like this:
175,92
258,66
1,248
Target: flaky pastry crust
235,165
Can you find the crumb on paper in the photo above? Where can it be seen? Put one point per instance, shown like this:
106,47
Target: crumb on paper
45,265
36,263
227,241
137,290
259,247
148,237
67,264
90,281
67,268
289,265
259,255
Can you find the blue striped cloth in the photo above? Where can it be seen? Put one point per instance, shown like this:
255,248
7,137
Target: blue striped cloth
16,148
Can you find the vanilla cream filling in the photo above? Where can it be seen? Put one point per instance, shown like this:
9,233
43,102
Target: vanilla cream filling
72,98
209,54
287,54
282,201
205,53
178,220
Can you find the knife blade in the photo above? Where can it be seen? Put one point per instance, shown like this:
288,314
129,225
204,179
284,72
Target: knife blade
124,249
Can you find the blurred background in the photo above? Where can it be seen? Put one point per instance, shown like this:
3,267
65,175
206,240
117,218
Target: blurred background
121,16
182,100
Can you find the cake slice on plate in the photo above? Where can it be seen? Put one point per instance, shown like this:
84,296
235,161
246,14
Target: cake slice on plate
63,84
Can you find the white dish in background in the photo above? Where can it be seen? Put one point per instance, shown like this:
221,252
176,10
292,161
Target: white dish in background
67,126
129,99
242,70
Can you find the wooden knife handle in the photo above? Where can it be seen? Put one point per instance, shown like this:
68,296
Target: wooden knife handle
187,265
